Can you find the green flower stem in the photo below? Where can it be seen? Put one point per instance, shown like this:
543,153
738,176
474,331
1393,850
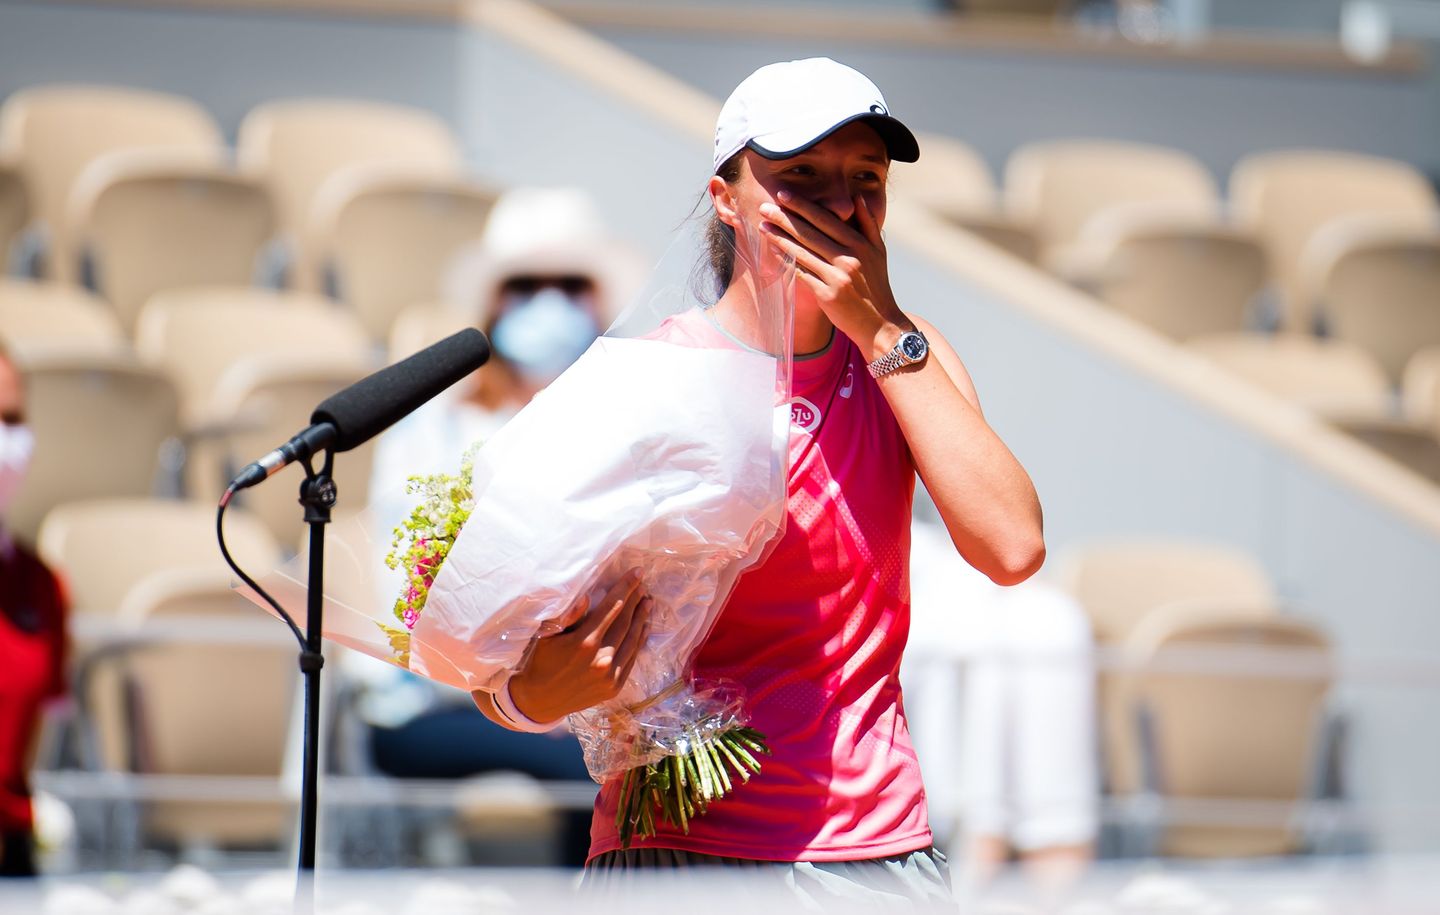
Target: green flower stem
681,787
713,755
730,757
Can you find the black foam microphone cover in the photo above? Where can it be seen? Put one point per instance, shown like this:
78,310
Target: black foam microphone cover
374,403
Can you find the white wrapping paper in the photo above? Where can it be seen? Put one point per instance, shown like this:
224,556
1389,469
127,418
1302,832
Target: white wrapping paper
643,454
659,450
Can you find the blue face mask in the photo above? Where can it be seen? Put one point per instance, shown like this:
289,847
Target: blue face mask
542,334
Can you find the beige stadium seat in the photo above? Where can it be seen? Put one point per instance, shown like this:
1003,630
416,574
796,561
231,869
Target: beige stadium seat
101,422
211,695
297,145
1417,448
1180,275
1120,583
152,221
1377,282
1420,389
1286,197
1238,715
54,132
950,177
37,316
954,181
1331,377
14,211
421,325
387,235
196,335
1057,186
270,399
104,547
251,366
1002,232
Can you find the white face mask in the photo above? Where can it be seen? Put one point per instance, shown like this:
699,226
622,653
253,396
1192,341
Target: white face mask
542,334
17,443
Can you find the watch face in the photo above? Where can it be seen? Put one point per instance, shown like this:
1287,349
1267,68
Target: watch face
914,347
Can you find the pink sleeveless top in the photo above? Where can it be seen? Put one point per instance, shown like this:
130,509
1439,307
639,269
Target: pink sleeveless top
814,635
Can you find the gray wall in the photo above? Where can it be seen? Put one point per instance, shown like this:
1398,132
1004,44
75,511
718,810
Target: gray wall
227,61
1111,451
998,100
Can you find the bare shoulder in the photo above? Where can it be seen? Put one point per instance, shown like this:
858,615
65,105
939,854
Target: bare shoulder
944,353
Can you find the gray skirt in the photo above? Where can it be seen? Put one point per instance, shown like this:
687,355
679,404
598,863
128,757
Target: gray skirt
914,881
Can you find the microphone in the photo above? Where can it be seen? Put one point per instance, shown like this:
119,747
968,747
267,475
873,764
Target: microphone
310,440
352,417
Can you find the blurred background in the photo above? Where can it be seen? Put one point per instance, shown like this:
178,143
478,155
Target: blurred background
1188,249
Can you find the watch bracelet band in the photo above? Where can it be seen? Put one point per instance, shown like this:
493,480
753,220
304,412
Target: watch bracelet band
887,363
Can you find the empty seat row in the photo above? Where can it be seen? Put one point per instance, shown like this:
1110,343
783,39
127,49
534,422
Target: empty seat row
135,192
176,674
217,376
1337,235
1307,235
1193,709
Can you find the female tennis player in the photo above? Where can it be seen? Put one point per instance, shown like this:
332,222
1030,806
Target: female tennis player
815,633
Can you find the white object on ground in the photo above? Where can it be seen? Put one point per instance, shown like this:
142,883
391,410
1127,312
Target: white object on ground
148,901
443,897
79,900
1162,895
188,886
276,888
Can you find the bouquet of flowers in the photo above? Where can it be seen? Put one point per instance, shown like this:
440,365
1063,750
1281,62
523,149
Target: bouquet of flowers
422,541
687,485
709,747
666,451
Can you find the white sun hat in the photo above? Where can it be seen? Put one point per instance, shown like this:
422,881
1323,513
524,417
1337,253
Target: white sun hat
785,108
544,231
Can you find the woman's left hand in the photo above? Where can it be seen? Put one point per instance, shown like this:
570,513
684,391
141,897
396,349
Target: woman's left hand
844,267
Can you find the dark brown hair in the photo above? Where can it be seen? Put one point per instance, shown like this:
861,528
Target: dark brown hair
717,267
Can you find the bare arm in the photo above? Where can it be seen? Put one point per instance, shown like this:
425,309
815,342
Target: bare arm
586,663
985,497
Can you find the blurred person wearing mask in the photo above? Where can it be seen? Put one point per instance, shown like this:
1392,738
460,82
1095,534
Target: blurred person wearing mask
542,283
32,638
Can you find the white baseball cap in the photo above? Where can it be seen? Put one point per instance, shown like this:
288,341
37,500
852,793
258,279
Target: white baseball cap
784,109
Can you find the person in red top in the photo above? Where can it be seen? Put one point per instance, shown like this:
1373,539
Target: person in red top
32,639
814,634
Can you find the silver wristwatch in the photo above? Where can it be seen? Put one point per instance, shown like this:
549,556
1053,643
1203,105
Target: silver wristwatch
912,347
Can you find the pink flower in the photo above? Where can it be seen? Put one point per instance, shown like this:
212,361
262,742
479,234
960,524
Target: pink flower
426,566
411,617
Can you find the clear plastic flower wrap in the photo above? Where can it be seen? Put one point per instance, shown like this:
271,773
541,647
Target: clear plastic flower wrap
663,448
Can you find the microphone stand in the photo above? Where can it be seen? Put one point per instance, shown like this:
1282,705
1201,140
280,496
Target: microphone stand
317,495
